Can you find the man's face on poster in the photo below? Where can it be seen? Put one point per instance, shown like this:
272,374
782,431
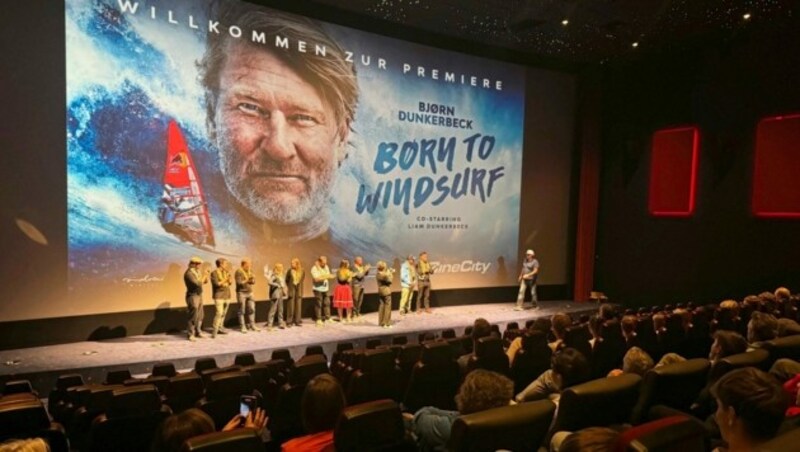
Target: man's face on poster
279,142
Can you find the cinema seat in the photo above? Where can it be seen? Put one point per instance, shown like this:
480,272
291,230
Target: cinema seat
163,370
117,377
577,337
57,399
244,359
757,358
223,392
17,387
676,386
97,402
28,418
530,361
489,355
606,356
161,383
130,422
784,347
520,427
785,442
312,350
203,364
283,354
400,340
371,426
408,357
184,391
340,348
675,433
597,403
434,379
376,379
286,422
240,440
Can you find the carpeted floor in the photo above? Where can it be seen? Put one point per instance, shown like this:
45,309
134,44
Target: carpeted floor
42,365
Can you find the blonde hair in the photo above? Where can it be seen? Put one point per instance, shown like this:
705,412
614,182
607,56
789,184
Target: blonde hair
278,268
296,261
25,445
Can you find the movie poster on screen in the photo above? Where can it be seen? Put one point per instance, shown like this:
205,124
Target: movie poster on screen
224,129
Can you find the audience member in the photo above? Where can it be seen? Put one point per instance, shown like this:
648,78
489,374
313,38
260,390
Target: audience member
481,390
25,445
628,327
516,345
761,327
322,403
726,343
607,311
569,368
595,329
176,429
670,358
592,439
560,323
636,361
728,316
480,328
750,408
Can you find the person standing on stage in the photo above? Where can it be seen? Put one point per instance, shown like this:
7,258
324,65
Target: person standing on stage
244,296
384,277
527,280
321,274
360,271
294,282
408,284
221,282
277,293
424,272
194,280
343,294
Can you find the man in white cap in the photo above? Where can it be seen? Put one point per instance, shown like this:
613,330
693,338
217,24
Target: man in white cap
527,280
194,281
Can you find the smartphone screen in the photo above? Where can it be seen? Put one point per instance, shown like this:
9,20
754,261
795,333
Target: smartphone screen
245,405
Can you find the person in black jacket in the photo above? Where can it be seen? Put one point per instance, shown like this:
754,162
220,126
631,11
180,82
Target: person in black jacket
194,279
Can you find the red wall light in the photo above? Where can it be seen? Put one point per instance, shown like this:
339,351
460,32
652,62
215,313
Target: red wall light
673,172
776,168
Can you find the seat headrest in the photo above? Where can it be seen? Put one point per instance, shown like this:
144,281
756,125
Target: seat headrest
448,333
489,346
436,353
240,440
411,353
314,350
17,387
282,353
399,340
68,381
307,368
136,400
244,359
185,384
671,433
164,369
532,341
377,361
229,384
755,358
342,346
21,417
99,397
205,364
369,426
513,427
611,385
116,377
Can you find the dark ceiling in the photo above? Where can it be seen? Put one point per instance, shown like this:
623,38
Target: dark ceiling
597,30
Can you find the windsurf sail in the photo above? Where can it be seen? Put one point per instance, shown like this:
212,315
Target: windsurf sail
183,211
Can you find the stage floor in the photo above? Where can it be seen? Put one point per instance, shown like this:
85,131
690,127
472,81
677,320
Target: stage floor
93,359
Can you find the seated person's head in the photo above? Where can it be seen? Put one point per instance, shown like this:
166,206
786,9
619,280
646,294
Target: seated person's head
176,429
570,368
541,325
628,325
750,407
322,403
607,311
686,317
782,294
659,322
592,439
670,358
25,445
481,328
636,361
761,327
730,308
561,322
769,301
727,343
483,390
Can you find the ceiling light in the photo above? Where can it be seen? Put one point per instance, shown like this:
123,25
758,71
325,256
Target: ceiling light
746,16
635,45
565,22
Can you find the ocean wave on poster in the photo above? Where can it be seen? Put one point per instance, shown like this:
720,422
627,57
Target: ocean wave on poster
109,52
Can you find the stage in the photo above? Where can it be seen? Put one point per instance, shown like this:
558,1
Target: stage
92,359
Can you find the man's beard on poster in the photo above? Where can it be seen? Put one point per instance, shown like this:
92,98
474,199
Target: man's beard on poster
241,176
